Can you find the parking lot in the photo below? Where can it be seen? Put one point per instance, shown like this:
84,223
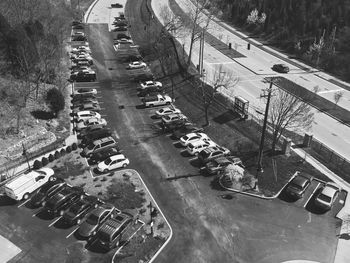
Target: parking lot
253,230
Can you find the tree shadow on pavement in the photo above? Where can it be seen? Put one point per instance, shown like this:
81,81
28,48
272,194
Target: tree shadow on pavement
42,115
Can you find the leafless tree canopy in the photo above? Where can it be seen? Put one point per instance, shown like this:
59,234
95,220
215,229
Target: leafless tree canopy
287,112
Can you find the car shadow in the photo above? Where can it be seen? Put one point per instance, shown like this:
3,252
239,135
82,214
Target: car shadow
44,215
196,163
312,208
178,145
185,154
7,201
141,106
62,224
94,247
283,196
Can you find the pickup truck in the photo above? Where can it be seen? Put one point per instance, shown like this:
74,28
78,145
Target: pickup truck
157,100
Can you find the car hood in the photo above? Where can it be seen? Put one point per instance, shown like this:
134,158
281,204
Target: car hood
86,229
101,166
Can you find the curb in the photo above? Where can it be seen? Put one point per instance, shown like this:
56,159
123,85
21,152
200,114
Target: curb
171,230
87,14
255,195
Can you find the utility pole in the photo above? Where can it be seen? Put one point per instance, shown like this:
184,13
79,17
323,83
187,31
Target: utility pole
201,54
261,147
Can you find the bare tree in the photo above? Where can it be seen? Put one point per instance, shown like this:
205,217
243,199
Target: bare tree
337,96
197,22
287,112
219,80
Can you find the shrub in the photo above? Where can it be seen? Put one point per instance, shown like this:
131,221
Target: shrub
37,164
44,161
57,155
55,100
63,152
74,146
51,158
69,149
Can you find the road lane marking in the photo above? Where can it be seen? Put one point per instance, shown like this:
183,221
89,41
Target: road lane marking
23,203
71,233
55,221
314,191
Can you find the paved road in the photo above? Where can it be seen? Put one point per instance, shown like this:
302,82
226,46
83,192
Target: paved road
251,70
206,227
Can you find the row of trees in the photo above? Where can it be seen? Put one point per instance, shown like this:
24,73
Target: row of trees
316,31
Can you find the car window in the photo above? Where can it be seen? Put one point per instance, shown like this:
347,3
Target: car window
40,177
324,198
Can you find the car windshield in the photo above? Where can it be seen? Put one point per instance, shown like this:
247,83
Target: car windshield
324,198
185,137
296,186
108,160
103,236
92,219
76,209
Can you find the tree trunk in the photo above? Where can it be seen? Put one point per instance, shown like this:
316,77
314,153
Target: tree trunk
178,61
190,52
18,121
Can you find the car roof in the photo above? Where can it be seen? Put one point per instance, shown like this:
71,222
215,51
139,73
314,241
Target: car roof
300,180
117,156
104,140
329,190
113,224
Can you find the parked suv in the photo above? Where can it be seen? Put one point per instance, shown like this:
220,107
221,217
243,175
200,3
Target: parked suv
99,145
62,200
110,233
211,153
219,164
93,136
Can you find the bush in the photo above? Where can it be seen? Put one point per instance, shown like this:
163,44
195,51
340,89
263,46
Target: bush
63,152
37,164
57,155
44,161
55,100
74,146
69,149
51,158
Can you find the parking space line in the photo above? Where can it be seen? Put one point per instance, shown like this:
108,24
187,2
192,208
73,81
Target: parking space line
184,150
176,142
116,134
23,203
55,221
314,191
41,209
169,135
71,233
192,159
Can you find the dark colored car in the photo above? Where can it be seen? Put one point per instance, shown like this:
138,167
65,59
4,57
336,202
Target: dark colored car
122,35
212,153
120,28
94,219
298,185
91,129
83,76
219,164
79,210
101,156
46,191
116,5
63,199
87,106
281,68
78,103
76,22
78,26
151,91
81,98
120,22
101,133
110,233
186,129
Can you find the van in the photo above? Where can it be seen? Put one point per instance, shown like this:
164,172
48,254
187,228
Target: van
21,187
99,145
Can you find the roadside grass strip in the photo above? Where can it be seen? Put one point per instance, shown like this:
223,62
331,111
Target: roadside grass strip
55,221
314,191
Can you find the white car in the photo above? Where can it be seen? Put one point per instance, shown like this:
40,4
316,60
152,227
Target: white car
196,147
90,122
86,91
150,84
113,162
136,65
166,111
87,114
173,117
327,196
124,41
192,137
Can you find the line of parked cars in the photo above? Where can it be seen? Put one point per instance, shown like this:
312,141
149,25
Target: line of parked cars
99,222
80,56
325,197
